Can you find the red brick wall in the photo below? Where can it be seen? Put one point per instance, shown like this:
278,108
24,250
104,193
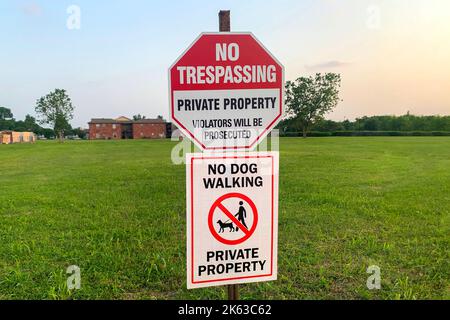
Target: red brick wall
104,131
149,130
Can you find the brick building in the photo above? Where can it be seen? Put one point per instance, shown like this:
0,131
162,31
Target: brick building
124,128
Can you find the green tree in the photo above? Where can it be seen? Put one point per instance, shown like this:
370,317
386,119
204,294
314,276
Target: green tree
347,125
5,113
7,124
47,133
31,124
138,117
327,126
79,132
371,124
308,99
56,109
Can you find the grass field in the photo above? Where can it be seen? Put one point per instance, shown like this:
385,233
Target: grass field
117,210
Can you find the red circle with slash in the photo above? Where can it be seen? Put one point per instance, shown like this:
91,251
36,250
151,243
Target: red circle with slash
218,204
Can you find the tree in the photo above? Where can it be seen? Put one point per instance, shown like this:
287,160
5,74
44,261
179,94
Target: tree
79,132
138,117
5,113
404,123
47,133
327,126
56,109
347,125
308,99
30,124
371,124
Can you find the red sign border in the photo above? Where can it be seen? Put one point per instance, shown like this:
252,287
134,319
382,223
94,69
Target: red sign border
192,217
265,131
250,232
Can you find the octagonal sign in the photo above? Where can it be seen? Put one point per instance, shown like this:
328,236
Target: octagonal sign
226,91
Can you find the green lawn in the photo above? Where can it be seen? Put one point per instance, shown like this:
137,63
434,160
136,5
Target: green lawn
117,210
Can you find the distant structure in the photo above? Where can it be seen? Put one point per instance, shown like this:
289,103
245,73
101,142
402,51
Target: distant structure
9,137
125,128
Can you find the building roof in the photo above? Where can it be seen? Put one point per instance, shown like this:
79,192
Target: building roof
149,121
103,120
10,131
124,120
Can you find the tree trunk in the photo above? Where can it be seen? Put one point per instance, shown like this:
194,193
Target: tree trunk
305,132
61,136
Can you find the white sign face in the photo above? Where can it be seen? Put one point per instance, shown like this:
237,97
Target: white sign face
226,92
232,218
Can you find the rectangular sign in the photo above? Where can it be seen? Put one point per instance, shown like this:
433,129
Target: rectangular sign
231,116
232,218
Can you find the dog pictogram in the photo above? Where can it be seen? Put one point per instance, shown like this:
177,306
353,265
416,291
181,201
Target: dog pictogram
224,225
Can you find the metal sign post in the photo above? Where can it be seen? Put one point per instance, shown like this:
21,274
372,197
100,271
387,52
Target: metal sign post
225,26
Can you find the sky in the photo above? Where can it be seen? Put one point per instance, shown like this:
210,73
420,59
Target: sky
393,55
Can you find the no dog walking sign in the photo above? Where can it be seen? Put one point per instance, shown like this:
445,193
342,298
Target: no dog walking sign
232,219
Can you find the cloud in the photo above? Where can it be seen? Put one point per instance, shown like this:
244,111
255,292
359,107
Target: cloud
327,65
32,9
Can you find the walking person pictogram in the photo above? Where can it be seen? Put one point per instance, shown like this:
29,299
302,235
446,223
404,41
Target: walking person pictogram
241,215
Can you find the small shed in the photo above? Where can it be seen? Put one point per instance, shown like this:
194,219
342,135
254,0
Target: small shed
8,137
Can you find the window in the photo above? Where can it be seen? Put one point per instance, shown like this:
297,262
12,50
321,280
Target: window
114,127
97,136
97,125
